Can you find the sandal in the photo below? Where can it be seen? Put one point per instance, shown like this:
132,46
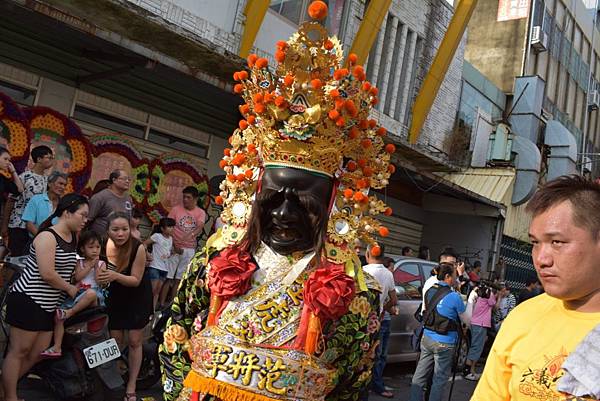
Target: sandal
50,353
61,315
130,397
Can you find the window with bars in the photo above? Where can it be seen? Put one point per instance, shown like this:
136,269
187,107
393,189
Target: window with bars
21,95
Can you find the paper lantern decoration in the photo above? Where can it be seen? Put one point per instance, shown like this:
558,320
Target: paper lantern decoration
114,151
14,132
71,148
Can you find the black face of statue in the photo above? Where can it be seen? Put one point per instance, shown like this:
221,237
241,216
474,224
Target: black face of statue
293,206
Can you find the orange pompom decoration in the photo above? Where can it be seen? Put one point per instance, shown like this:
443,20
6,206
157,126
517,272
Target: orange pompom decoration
243,124
354,133
219,200
251,148
388,211
339,103
223,163
363,124
372,124
358,71
262,63
328,45
381,131
348,193
352,58
359,196
340,122
251,60
245,108
288,80
280,56
269,97
375,250
390,148
340,74
238,88
317,10
351,166
280,102
374,91
251,120
227,152
238,159
231,178
259,108
241,177
366,86
366,143
334,93
243,75
236,76
249,173
281,45
391,169
362,163
363,183
367,171
333,115
384,231
316,83
375,100
257,98
351,108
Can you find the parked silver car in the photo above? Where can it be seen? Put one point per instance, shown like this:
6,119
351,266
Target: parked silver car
409,276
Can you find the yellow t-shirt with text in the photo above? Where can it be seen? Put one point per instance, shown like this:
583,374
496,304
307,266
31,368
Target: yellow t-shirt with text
526,358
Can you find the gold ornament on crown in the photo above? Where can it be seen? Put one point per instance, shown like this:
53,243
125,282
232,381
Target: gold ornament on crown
310,112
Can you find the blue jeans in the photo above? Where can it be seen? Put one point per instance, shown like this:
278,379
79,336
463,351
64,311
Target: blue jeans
478,335
436,357
382,349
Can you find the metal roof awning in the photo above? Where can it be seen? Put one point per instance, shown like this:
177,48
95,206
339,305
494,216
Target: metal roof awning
110,50
494,184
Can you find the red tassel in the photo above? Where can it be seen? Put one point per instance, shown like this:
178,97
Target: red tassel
195,396
312,336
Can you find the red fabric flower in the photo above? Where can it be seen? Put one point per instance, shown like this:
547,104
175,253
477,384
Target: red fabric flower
230,273
328,292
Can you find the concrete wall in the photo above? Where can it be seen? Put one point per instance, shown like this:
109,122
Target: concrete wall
496,48
221,15
274,28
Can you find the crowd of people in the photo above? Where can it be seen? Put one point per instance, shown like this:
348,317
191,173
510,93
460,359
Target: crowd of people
93,255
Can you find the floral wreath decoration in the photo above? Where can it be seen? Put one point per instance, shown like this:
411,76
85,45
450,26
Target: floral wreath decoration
18,134
310,113
115,143
44,119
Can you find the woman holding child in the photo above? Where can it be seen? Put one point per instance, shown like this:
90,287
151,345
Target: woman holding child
129,300
34,298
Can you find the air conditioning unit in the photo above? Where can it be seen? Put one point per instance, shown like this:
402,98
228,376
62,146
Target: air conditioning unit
539,39
594,100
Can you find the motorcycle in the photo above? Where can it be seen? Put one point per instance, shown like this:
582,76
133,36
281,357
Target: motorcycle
87,367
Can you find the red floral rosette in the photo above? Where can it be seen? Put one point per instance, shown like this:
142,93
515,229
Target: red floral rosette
229,276
328,293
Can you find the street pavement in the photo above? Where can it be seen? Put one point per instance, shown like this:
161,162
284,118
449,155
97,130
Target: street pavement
397,376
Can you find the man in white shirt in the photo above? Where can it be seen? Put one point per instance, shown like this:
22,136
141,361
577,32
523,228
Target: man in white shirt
388,300
448,256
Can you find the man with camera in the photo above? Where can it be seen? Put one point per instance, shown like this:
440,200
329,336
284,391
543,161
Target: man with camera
545,348
481,321
443,313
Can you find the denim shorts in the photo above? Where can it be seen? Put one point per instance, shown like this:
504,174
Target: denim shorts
70,302
156,274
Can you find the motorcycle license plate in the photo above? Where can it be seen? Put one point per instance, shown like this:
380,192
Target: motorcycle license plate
101,353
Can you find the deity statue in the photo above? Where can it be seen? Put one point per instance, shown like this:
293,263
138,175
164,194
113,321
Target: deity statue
276,306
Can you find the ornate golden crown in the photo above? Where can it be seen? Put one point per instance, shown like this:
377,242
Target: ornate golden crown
309,113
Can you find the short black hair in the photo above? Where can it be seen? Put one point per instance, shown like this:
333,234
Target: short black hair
114,175
85,238
448,251
476,264
530,280
137,213
39,152
381,255
405,250
192,191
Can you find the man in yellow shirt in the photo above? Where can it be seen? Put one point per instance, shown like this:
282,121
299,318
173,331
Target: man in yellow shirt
525,363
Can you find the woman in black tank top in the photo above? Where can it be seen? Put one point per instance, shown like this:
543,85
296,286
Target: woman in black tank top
36,294
129,300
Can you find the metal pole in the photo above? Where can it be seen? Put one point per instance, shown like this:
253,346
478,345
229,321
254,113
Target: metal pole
528,41
586,116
